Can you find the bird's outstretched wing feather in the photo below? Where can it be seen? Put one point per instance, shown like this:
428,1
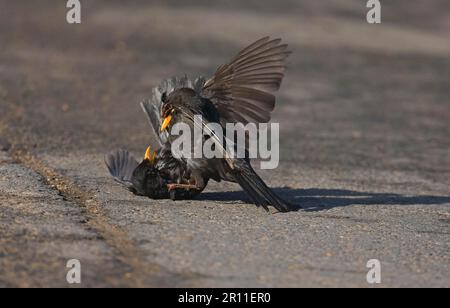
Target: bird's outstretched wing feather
151,108
241,90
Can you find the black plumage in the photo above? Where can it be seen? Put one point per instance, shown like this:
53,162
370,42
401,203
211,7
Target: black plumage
182,105
239,92
153,177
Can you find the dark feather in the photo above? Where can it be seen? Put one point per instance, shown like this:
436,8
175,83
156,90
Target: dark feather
121,165
249,77
152,111
152,106
257,189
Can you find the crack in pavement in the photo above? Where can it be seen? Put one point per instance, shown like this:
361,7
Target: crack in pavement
142,273
11,142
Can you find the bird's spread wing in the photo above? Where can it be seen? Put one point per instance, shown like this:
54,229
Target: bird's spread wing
121,165
152,106
241,90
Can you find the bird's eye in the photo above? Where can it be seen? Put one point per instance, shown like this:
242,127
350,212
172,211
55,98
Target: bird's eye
164,97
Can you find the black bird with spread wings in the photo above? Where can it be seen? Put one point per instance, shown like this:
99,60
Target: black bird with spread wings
239,92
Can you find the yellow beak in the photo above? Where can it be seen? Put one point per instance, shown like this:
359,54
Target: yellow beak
166,123
149,155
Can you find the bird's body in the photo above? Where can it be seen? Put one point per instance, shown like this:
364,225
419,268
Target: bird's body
153,176
191,104
239,92
183,105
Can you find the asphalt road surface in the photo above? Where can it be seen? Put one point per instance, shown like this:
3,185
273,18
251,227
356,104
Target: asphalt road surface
365,146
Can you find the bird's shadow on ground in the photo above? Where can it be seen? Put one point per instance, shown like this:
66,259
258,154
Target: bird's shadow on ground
317,199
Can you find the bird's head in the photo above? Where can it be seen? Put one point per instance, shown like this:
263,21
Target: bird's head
180,101
146,178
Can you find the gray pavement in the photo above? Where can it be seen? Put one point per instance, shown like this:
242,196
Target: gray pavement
365,146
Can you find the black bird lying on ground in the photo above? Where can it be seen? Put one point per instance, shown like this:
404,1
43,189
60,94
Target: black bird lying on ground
239,92
153,177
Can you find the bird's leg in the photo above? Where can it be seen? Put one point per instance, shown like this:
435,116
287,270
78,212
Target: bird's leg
195,183
171,187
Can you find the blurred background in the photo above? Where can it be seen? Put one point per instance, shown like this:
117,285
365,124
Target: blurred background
354,93
363,108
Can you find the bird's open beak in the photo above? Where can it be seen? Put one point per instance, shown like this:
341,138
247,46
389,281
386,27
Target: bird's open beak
149,155
166,122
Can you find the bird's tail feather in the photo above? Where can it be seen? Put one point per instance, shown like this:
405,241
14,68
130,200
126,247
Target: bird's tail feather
260,193
121,165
